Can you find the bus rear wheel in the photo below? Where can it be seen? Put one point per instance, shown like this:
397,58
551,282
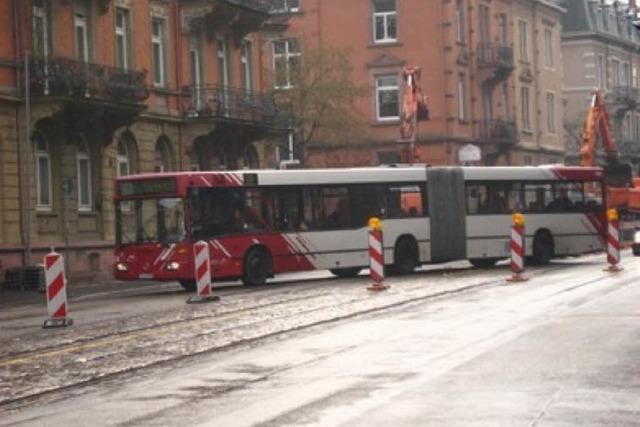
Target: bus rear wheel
345,273
405,256
188,285
483,262
543,248
256,267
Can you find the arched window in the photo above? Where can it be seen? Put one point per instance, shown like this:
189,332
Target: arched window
207,155
43,172
250,158
83,161
162,157
122,162
195,159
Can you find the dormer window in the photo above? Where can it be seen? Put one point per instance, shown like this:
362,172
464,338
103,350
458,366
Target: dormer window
286,6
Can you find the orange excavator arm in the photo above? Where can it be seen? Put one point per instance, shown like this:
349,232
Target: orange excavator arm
414,109
597,123
620,185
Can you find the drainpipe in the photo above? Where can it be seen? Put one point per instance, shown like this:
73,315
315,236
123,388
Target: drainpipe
178,56
447,81
540,121
24,150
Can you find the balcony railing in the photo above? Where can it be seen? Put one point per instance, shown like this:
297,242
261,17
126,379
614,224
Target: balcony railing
627,95
225,102
495,57
499,131
69,78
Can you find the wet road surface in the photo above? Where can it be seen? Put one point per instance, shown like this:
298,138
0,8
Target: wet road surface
453,348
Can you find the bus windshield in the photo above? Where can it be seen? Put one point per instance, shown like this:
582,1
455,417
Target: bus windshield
150,221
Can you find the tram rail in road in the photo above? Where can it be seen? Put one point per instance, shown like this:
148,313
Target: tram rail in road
93,351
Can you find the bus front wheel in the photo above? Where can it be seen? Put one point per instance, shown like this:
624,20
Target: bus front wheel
257,267
543,248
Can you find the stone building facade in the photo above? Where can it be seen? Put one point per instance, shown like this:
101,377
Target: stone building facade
539,74
93,89
601,50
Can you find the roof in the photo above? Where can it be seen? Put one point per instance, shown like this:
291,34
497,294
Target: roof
594,18
365,175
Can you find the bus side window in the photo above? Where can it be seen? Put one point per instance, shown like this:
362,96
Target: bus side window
366,201
287,212
593,196
477,200
404,201
498,198
536,197
336,211
565,197
515,199
255,212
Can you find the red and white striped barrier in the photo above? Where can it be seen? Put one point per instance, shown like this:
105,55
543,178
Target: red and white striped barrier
613,243
517,249
376,256
56,286
202,274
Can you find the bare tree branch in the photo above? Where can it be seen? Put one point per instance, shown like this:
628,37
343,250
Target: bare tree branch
324,98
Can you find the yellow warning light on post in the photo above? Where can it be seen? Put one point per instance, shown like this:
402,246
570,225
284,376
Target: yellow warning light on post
518,219
375,224
612,215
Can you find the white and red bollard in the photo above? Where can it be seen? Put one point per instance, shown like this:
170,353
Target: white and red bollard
204,292
517,249
613,241
376,256
56,286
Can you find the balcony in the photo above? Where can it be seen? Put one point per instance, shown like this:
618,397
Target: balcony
237,105
239,17
497,131
76,80
624,97
495,61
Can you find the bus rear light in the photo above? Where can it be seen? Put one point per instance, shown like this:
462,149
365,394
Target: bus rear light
173,266
122,267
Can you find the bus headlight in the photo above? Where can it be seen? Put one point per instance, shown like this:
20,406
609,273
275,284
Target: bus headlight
173,266
636,237
121,266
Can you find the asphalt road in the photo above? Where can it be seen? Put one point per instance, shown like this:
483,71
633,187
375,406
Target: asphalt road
454,348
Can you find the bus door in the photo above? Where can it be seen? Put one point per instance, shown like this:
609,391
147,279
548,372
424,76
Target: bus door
447,213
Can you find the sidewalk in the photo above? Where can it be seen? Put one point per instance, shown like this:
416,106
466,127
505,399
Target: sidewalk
12,298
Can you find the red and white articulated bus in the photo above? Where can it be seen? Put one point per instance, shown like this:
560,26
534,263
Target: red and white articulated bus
263,222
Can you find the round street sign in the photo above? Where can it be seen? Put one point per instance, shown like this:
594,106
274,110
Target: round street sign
470,153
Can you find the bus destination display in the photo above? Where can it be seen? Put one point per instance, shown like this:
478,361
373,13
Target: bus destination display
147,186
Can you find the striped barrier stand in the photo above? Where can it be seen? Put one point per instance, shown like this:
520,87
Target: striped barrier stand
613,241
204,293
517,249
56,287
376,256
